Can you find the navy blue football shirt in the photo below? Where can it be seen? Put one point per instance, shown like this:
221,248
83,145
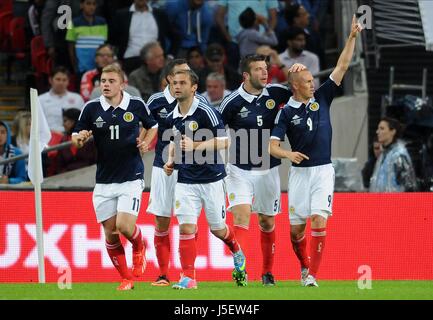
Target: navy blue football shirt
253,116
115,131
160,105
202,123
308,127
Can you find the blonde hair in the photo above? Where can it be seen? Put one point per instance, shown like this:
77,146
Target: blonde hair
116,68
19,126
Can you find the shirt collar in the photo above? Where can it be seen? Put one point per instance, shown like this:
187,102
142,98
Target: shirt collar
123,104
58,95
132,8
251,97
194,106
296,104
168,95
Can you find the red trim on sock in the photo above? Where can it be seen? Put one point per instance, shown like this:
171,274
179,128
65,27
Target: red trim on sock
188,254
116,253
230,240
267,240
162,249
317,246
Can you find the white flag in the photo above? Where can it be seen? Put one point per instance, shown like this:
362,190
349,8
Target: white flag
40,135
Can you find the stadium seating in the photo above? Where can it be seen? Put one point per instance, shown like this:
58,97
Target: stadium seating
6,5
39,56
5,20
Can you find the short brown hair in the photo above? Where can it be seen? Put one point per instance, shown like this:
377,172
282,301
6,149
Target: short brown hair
193,77
114,67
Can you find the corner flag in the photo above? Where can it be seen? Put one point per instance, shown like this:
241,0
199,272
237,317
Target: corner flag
40,135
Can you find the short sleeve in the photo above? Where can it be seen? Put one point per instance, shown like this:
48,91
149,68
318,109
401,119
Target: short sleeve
327,91
219,130
281,125
71,34
225,112
84,121
146,117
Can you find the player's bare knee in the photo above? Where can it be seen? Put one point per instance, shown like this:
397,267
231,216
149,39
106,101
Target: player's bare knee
162,223
297,232
241,215
219,230
319,220
187,228
267,223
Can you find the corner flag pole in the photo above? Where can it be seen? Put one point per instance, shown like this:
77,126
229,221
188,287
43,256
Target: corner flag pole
38,138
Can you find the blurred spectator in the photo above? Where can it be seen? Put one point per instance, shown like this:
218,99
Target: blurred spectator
317,11
215,63
367,171
215,89
192,19
137,26
295,53
86,33
146,78
91,79
58,99
267,9
249,38
297,17
195,59
393,171
53,28
21,130
34,16
13,172
277,71
73,158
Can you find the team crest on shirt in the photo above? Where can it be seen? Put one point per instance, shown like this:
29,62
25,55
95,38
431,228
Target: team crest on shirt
270,104
292,210
177,204
314,106
128,117
193,125
232,196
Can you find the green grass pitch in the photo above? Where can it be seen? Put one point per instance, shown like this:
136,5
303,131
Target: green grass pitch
284,290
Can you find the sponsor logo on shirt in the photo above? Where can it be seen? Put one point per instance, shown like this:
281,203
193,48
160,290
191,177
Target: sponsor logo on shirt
99,123
128,117
244,112
232,196
296,120
177,204
163,113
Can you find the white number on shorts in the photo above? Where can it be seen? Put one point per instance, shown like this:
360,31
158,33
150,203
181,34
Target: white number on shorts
310,124
259,121
114,132
135,204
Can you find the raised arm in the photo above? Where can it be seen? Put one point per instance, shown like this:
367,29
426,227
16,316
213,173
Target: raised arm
347,53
